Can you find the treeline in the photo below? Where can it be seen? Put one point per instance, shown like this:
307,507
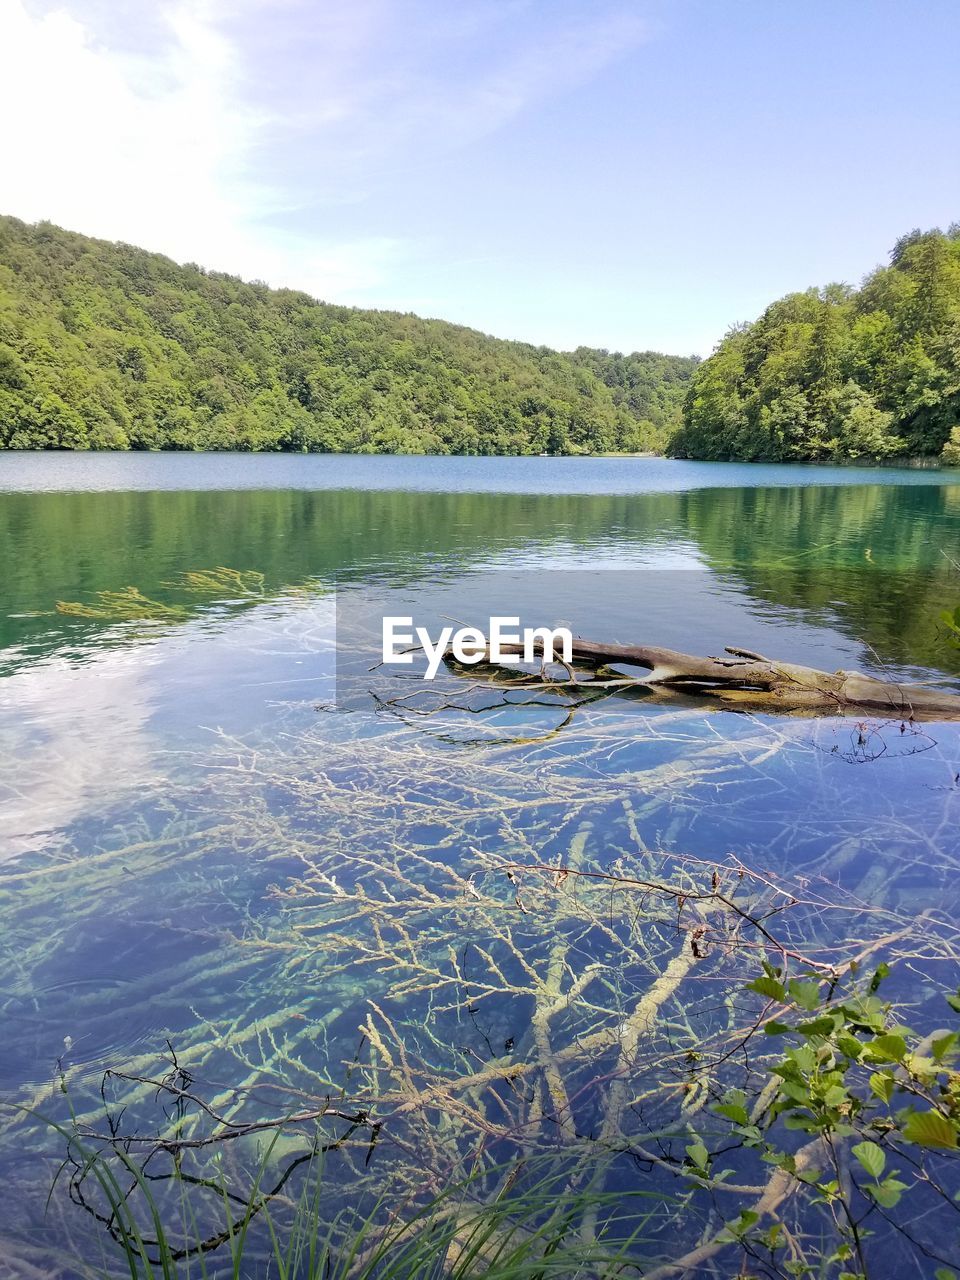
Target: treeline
838,372
105,346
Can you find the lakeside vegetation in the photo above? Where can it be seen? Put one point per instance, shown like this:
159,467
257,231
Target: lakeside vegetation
840,373
106,346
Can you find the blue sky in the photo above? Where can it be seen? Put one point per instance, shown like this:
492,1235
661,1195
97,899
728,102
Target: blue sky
627,175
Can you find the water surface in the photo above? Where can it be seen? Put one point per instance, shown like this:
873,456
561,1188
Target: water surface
178,820
630,474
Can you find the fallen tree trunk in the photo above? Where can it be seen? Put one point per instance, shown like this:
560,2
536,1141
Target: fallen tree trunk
742,677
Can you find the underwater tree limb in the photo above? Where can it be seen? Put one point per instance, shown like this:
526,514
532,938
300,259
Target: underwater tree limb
780,1186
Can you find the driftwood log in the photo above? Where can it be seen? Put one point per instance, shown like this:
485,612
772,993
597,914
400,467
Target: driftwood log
749,679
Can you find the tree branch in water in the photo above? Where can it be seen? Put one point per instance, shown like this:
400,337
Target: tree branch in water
745,679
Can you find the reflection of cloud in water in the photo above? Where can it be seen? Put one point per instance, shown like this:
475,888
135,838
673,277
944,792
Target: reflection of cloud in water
72,738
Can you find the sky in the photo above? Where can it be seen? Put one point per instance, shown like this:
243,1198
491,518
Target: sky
628,174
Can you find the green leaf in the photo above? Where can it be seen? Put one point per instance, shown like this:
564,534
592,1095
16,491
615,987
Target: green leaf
804,1057
772,1236
930,1129
886,1193
849,1045
954,1002
782,1159
865,1013
796,1092
886,1048
835,1096
805,994
817,1026
882,971
871,1157
944,1273
775,1028
732,1111
940,1048
767,986
882,1085
742,1224
698,1154
804,1123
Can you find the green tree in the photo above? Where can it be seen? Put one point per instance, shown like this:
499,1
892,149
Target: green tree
106,346
838,372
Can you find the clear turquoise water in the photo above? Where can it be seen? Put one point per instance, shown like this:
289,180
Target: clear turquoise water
166,777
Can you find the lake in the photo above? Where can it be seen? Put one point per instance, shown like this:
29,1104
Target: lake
230,849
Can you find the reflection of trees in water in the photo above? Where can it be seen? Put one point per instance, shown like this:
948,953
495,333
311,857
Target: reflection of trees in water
867,558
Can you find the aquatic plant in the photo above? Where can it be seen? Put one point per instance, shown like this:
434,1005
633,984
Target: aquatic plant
128,604
853,1052
527,1233
219,581
951,620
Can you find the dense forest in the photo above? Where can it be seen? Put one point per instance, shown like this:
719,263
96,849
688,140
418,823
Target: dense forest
105,346
838,372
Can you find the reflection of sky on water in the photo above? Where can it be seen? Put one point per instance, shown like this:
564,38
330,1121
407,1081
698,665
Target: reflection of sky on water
77,737
72,737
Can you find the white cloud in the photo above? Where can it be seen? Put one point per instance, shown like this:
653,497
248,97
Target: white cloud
400,82
108,142
570,54
249,135
157,149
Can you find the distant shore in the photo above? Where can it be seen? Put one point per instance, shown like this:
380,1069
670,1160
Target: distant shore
912,463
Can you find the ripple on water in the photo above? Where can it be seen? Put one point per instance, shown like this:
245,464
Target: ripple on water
89,1023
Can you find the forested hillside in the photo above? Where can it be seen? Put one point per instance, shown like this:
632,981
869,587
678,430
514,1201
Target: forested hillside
840,372
105,346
